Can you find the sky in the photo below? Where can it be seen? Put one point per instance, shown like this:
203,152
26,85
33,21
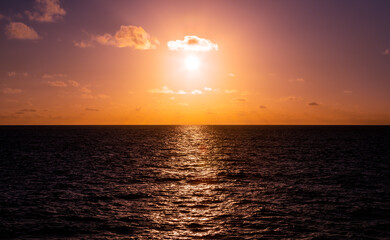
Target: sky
194,62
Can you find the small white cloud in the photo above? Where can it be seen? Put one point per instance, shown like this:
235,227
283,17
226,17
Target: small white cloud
13,74
73,83
231,75
192,43
163,90
11,91
83,44
230,91
18,30
46,11
207,89
85,90
196,91
56,75
57,83
166,90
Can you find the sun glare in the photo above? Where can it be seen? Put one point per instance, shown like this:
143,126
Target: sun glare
192,63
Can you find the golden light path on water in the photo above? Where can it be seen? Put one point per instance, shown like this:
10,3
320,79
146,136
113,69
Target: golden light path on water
195,204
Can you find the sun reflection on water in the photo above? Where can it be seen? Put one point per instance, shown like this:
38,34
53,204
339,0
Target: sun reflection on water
193,205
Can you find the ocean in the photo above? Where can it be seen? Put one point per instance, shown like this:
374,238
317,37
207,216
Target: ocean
195,182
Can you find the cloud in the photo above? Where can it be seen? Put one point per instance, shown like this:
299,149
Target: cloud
192,43
7,18
73,83
83,44
313,104
126,36
56,75
46,11
231,75
57,83
102,96
208,111
18,30
91,109
91,96
206,90
347,91
138,109
262,107
87,96
11,91
297,80
290,98
85,90
230,91
13,74
386,52
30,110
165,90
196,91
240,100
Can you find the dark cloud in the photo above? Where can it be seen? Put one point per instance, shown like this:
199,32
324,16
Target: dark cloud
46,11
313,104
26,110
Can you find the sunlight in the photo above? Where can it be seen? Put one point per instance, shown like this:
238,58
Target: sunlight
192,63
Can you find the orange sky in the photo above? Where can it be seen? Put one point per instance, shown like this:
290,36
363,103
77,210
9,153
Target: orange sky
260,62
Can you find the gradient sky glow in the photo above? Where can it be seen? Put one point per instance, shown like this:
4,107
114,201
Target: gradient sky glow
260,62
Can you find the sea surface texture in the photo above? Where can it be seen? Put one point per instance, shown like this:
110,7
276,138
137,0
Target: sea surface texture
195,182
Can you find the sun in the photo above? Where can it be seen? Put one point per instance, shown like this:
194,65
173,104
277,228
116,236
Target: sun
192,63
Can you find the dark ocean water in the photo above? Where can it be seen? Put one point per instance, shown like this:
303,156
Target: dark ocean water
195,182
